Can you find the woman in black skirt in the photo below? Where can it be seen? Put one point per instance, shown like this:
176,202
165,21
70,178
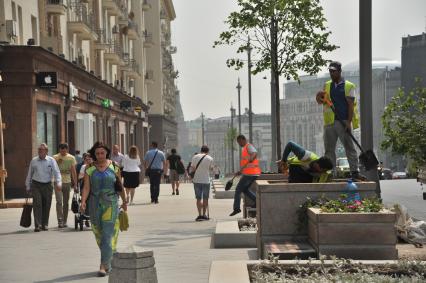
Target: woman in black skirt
131,172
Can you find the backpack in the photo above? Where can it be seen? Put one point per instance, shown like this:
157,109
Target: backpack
180,168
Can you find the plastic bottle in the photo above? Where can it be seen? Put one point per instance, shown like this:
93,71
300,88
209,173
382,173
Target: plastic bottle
352,191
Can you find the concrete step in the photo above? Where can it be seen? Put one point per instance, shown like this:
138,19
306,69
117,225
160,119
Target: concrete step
288,250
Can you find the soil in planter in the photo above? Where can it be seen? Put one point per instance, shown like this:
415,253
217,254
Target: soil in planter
339,271
247,224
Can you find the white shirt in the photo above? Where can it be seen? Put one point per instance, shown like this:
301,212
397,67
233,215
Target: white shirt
118,158
82,170
130,164
43,170
202,175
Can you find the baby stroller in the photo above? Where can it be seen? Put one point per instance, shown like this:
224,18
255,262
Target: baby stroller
79,218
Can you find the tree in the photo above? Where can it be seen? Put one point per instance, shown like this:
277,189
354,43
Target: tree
287,37
404,123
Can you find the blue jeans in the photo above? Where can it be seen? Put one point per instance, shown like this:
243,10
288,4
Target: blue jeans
243,187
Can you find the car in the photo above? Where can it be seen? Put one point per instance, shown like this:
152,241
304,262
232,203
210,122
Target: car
386,174
399,175
342,168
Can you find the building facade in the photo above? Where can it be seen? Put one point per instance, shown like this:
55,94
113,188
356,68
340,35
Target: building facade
413,61
76,71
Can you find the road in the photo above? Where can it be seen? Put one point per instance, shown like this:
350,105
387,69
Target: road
406,192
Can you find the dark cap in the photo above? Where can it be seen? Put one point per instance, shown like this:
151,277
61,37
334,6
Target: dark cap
335,65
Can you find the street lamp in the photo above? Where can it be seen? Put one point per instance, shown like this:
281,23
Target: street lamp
232,137
249,89
239,106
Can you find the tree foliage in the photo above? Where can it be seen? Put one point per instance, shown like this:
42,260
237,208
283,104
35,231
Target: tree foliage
404,122
301,35
230,138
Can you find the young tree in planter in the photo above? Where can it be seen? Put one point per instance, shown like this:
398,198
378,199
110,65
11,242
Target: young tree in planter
287,37
404,122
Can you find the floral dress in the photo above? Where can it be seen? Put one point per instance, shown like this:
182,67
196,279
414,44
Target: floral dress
104,210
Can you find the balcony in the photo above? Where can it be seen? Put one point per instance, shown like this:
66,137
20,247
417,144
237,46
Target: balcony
132,31
114,7
146,6
148,42
132,68
102,41
56,7
113,53
149,77
82,22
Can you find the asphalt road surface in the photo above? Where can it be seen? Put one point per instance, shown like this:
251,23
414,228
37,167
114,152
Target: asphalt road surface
405,192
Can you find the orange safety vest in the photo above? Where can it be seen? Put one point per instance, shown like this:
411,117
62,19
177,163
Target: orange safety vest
251,168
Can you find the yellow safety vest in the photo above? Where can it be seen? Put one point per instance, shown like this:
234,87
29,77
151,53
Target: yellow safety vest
328,112
323,178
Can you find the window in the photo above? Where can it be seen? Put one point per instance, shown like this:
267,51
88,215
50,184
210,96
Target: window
47,127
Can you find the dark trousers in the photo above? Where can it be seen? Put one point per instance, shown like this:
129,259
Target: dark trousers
154,181
243,187
298,175
42,200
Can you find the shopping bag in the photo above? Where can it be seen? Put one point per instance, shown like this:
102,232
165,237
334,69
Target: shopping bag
26,214
74,203
124,220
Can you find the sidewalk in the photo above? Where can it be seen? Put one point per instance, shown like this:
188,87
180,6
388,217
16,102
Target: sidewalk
181,246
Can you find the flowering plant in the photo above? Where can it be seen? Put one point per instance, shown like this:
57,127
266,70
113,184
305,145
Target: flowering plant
345,204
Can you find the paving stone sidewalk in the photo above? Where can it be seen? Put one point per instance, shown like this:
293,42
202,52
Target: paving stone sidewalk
182,247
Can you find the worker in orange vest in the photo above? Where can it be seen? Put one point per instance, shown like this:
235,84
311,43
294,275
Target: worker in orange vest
249,169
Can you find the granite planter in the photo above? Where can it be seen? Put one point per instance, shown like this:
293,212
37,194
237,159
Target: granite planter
357,235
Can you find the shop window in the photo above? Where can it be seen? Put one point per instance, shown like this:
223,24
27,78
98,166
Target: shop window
47,128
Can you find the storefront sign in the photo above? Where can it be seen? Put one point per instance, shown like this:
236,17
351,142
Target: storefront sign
138,109
125,105
47,80
106,103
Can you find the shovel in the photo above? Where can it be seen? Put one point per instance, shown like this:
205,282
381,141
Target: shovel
228,185
367,158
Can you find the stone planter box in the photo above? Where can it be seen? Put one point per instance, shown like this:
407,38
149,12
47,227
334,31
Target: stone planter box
278,202
228,235
369,236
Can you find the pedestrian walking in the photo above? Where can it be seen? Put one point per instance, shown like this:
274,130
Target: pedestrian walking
66,163
250,171
341,93
99,182
305,166
87,160
78,157
41,171
154,164
201,165
131,171
216,172
117,156
172,164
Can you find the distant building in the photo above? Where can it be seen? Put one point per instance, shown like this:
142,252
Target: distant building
413,61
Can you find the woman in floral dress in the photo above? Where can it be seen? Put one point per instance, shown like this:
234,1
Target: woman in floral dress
99,180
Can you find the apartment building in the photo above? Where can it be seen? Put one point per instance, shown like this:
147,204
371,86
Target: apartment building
74,71
161,74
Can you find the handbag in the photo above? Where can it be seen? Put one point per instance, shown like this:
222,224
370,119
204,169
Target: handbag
26,214
147,170
74,203
180,168
192,174
118,185
123,218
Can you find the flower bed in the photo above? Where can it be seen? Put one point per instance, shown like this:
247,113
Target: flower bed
338,271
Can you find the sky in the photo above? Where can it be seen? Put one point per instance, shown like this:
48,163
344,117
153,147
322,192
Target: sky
207,85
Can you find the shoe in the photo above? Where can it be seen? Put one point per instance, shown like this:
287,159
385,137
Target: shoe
36,229
173,193
199,218
205,217
102,273
356,176
236,211
177,192
44,228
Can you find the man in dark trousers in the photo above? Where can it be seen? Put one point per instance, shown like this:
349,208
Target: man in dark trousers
154,162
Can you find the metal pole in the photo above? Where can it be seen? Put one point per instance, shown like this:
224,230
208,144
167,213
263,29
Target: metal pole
249,91
366,85
202,128
239,106
232,138
2,166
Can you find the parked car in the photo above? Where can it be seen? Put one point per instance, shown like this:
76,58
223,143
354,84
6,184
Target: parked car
399,175
342,168
386,174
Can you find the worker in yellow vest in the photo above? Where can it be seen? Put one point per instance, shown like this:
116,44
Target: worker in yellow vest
249,169
341,93
305,166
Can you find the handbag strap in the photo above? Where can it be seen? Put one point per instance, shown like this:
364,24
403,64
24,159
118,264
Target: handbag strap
199,163
155,155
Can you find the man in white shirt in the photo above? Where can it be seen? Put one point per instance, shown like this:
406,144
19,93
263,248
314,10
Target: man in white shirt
202,164
42,170
117,156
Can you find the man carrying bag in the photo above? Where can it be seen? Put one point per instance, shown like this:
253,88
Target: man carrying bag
157,161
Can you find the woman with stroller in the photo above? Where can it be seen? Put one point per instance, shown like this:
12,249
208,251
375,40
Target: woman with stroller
131,172
99,180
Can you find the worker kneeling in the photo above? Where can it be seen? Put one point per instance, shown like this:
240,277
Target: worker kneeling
305,166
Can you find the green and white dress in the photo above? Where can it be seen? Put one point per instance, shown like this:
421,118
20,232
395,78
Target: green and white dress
104,210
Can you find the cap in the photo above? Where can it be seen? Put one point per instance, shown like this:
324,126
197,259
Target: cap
335,65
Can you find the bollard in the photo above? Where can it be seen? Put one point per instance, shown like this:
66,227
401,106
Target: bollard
133,264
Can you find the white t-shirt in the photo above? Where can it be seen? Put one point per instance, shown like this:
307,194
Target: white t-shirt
202,175
130,164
